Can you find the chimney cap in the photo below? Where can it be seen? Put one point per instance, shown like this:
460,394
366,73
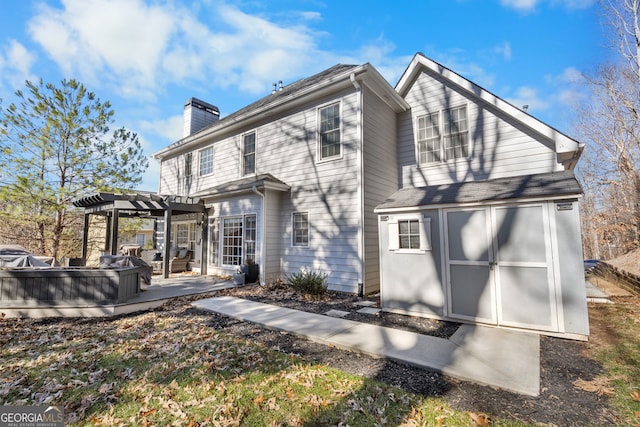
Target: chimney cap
202,105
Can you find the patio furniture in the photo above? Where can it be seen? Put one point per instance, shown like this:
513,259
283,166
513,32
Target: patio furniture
178,263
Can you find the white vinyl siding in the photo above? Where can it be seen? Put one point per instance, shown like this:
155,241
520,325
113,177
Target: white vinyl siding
380,177
325,190
498,146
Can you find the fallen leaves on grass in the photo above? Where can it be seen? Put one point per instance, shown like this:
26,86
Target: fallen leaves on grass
600,386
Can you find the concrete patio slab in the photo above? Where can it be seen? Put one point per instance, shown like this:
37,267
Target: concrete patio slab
497,357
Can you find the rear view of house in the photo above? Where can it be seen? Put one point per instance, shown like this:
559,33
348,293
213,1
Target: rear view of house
448,200
290,182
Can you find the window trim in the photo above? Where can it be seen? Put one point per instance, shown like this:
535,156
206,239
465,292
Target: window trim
293,229
244,155
319,158
442,114
213,157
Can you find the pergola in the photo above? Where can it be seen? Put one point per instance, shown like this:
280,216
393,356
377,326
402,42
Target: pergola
114,206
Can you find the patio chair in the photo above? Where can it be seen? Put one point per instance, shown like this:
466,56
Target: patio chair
179,262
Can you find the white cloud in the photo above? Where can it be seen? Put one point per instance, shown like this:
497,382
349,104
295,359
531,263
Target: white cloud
170,128
521,5
138,48
15,64
527,95
529,5
504,50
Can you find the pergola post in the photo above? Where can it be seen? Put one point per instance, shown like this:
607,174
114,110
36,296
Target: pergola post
85,238
166,250
204,246
114,231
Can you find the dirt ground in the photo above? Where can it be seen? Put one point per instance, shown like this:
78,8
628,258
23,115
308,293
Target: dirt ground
569,395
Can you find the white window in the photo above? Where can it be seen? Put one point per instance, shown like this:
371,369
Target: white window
329,132
250,237
214,241
443,137
456,133
409,233
232,241
249,154
300,229
239,237
206,161
187,164
429,138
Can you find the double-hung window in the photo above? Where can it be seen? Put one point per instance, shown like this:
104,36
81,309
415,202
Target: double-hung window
206,161
187,164
329,132
249,153
300,229
443,136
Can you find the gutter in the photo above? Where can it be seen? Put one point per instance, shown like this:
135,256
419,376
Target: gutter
360,183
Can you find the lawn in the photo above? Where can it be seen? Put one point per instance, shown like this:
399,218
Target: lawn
170,367
163,368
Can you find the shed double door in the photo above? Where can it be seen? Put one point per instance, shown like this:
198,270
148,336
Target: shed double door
499,266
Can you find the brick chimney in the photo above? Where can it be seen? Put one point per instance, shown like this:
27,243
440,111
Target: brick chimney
198,115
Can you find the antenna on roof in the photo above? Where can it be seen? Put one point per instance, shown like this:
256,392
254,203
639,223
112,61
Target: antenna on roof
525,107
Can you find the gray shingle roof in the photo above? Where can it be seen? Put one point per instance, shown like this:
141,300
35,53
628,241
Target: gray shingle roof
518,187
243,184
288,90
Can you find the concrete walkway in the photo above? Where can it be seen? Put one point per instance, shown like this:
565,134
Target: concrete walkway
506,359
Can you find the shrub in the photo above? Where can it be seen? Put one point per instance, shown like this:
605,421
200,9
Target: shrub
308,282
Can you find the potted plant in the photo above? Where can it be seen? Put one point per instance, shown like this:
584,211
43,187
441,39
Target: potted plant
251,270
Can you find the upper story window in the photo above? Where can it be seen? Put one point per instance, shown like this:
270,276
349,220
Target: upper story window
249,153
187,164
329,131
444,141
206,161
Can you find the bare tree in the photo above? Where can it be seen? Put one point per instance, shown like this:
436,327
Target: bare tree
610,125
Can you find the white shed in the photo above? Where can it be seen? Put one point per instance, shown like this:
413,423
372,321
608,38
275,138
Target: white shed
504,252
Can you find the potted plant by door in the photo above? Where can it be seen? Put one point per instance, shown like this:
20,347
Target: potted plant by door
251,271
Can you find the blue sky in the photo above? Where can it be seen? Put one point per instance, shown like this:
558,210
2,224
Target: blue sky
148,57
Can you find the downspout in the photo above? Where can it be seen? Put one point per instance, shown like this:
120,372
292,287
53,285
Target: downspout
359,180
263,231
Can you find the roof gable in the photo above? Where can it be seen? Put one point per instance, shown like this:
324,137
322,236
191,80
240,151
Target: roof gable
568,148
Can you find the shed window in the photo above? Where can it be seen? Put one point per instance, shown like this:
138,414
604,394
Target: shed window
409,234
329,131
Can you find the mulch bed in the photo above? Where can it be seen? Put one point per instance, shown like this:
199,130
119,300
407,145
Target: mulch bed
562,363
